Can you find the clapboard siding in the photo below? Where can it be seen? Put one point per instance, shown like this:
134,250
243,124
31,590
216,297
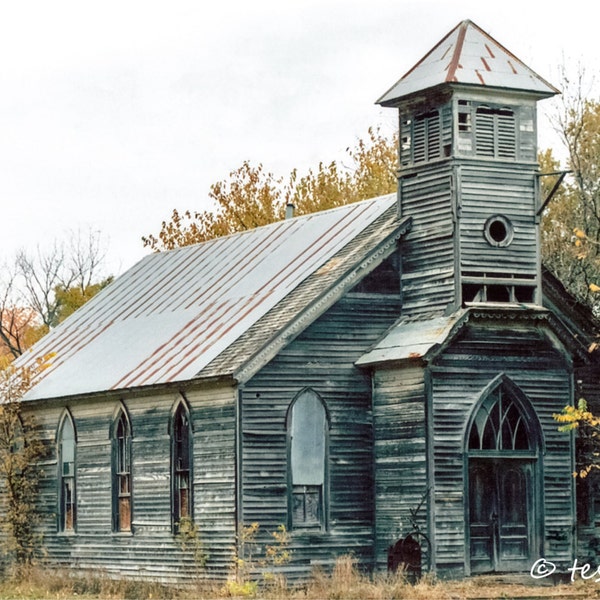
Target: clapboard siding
491,190
428,249
151,550
400,455
459,377
321,358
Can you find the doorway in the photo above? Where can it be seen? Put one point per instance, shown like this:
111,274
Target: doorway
502,445
501,514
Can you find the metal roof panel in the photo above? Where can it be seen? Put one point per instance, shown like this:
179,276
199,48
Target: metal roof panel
172,313
410,339
468,55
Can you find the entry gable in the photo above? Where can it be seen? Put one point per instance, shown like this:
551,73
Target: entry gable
418,339
503,420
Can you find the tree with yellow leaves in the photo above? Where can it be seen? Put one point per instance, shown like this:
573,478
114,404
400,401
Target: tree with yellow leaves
571,221
253,196
579,418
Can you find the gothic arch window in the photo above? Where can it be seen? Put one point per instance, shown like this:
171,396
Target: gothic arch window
67,498
181,464
121,437
308,426
500,424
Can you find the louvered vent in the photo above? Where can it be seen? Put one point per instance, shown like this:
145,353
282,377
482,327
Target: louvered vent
425,137
495,134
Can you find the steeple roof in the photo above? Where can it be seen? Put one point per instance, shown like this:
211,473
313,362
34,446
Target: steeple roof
468,55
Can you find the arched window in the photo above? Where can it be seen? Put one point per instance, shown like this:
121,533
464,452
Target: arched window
181,465
67,505
307,435
121,473
499,424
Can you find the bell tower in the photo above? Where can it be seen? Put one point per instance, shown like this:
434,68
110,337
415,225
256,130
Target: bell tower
468,175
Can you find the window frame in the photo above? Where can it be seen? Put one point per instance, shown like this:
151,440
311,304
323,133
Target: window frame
504,393
121,470
308,490
66,484
488,130
422,138
182,453
495,132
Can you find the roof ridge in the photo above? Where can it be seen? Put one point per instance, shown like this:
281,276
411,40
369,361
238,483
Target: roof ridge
279,222
455,61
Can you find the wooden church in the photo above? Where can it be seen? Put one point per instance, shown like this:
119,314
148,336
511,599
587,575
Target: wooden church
380,378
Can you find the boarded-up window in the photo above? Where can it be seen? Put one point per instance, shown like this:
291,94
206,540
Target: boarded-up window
66,475
181,444
307,429
122,505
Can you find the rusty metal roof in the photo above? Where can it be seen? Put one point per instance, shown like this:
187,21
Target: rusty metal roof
422,337
468,55
173,313
411,339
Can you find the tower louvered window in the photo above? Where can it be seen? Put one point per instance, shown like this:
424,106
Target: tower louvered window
495,132
422,139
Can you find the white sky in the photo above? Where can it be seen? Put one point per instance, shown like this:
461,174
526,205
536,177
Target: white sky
113,113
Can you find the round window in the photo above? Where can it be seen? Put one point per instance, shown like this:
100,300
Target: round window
498,231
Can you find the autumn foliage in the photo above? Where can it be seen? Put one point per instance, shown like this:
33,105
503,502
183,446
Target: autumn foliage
571,221
20,450
253,196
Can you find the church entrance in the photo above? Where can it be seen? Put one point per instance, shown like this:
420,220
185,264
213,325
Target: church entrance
500,512
502,461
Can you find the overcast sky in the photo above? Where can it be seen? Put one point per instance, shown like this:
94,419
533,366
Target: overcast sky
113,113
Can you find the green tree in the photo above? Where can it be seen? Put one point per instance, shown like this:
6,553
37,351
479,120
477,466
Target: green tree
253,196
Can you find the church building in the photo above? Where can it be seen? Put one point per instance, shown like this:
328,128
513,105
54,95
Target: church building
378,378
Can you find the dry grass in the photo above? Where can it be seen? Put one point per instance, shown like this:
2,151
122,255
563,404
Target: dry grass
344,583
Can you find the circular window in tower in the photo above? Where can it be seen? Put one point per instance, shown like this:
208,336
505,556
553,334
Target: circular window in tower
498,231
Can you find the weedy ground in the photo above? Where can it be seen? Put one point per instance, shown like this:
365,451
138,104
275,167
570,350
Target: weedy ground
344,583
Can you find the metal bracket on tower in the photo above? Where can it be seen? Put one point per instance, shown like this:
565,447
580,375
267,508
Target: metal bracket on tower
553,191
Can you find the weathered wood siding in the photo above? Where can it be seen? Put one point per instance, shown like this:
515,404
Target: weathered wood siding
518,132
588,500
321,358
487,190
400,455
428,263
151,550
459,377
